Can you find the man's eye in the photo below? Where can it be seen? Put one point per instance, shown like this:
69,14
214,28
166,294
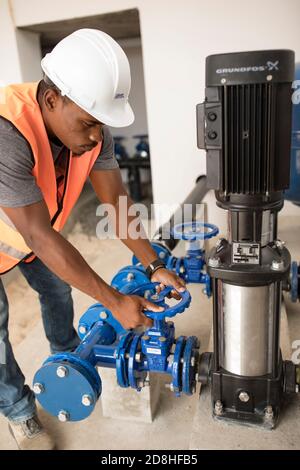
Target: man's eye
87,124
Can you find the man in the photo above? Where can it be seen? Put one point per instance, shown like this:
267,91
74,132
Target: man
53,136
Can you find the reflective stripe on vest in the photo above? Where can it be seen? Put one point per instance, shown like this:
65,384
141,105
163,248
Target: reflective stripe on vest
11,241
19,106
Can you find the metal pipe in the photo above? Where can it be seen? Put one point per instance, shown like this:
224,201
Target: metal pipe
105,355
196,196
99,334
246,314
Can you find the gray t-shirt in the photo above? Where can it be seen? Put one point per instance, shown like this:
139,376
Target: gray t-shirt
18,186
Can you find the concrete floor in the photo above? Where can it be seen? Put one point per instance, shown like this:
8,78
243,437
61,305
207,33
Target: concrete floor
174,426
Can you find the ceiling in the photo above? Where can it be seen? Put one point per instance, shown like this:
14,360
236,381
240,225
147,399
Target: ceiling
120,25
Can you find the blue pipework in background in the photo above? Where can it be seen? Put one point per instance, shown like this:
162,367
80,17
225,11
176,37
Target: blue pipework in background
293,193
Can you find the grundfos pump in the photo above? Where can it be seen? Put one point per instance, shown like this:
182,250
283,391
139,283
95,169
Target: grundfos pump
245,127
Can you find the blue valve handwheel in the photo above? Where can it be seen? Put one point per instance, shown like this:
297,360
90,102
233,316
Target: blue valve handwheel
191,231
159,300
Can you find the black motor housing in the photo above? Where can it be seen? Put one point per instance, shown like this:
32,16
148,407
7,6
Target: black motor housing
247,113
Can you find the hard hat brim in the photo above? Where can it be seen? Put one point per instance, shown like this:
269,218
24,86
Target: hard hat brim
117,118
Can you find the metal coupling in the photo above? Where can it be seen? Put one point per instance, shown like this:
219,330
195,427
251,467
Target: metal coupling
218,408
277,265
213,262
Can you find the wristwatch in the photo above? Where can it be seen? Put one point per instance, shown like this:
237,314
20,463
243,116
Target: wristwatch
154,266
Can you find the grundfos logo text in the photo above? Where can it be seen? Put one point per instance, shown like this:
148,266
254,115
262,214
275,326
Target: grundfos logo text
252,68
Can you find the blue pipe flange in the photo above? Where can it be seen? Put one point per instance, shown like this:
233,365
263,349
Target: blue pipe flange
189,365
294,281
95,313
172,263
177,366
191,231
178,265
122,355
159,300
136,376
162,252
128,278
67,387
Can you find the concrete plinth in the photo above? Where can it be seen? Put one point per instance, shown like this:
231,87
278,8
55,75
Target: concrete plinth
128,404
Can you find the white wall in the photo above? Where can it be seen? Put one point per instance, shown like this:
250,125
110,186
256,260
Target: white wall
10,68
30,55
176,37
19,50
133,50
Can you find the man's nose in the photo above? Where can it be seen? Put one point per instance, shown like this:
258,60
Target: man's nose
96,135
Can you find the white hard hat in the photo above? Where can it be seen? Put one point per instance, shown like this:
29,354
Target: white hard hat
91,69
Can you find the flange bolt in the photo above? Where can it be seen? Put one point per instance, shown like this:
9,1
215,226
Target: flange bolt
63,416
61,372
82,329
38,388
87,400
244,397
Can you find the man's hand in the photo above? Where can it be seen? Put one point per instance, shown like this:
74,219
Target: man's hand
128,310
168,278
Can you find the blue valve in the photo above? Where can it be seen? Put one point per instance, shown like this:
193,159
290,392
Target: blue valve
158,298
192,231
68,384
191,267
120,149
142,147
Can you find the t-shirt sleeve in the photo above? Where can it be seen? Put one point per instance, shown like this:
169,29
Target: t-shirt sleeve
18,186
106,159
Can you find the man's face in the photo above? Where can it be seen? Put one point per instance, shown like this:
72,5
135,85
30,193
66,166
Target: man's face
74,127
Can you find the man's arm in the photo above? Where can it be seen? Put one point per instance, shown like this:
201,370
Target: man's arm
33,223
109,187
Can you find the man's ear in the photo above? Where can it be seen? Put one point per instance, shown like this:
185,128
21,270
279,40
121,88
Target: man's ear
51,99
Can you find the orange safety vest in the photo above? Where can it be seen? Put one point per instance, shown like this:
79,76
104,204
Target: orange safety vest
18,104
